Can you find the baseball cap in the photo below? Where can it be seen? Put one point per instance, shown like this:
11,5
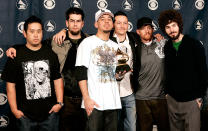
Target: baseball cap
99,13
143,22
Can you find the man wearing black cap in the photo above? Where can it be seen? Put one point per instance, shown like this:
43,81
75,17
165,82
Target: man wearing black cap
150,98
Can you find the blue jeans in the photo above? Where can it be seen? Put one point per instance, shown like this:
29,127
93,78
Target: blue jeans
50,124
127,115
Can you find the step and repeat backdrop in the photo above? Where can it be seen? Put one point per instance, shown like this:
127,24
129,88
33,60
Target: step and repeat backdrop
52,12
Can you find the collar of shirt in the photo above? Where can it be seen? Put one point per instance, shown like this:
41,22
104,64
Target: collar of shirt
123,42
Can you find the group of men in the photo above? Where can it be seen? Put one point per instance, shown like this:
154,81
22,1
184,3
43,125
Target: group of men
164,87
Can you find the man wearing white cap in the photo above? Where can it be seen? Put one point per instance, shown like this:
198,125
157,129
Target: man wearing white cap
95,64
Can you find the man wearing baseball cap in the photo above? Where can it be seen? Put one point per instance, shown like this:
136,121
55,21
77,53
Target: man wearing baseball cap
151,104
95,64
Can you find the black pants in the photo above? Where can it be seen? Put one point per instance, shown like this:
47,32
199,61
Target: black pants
72,116
204,119
102,120
151,112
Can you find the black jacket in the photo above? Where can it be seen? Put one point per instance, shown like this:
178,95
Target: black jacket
133,41
186,70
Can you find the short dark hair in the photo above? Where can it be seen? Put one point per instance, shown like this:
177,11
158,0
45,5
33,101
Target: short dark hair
74,10
32,19
118,13
168,16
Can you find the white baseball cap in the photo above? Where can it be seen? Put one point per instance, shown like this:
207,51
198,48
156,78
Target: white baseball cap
99,13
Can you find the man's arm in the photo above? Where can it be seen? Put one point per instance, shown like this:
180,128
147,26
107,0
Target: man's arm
60,36
11,95
59,90
88,102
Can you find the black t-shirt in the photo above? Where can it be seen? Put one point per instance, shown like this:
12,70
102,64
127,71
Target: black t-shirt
71,87
33,73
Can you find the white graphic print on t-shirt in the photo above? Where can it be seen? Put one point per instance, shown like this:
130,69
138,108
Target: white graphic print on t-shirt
105,58
36,77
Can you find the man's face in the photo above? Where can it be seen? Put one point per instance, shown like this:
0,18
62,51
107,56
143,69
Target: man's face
75,24
172,30
121,25
104,23
33,34
145,32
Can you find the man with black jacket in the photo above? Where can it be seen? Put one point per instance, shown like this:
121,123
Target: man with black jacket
186,73
126,42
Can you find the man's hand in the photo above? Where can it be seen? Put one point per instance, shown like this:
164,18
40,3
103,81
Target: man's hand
89,105
120,75
199,102
18,114
159,37
60,36
11,52
55,108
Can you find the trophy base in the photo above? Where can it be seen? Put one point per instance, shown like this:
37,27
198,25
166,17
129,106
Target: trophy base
122,68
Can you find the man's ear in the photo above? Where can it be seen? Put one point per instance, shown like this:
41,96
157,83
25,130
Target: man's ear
24,33
96,25
67,24
138,32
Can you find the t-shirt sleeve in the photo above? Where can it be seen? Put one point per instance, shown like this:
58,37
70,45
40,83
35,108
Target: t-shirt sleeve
83,54
9,73
55,68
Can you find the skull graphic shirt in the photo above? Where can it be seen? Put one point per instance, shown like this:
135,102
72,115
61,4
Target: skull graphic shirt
36,76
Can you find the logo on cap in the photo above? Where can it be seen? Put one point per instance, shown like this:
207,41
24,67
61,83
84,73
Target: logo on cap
177,4
4,121
21,4
1,53
127,5
199,4
76,3
155,25
130,26
20,26
3,98
50,26
102,4
198,25
49,4
153,4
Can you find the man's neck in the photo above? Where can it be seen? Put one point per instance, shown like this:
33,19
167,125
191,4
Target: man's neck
179,38
75,37
32,47
146,41
121,37
103,36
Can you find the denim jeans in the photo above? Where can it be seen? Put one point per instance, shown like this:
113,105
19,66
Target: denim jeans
127,115
50,124
102,120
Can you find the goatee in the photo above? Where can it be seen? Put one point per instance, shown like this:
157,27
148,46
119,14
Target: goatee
75,33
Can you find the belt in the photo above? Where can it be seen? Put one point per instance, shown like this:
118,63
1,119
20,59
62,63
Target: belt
73,97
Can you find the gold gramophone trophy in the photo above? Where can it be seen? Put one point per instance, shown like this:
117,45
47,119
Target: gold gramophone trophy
122,59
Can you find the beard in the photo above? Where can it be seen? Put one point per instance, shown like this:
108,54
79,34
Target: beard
107,31
174,37
147,37
75,32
